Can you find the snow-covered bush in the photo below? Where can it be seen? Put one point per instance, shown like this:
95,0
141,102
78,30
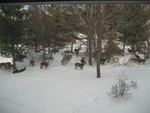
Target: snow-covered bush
66,59
122,88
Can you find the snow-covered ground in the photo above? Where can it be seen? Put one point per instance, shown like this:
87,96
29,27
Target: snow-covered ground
62,89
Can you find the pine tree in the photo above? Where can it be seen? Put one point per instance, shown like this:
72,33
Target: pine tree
12,27
132,25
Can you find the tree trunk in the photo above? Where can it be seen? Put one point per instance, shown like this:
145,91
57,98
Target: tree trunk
72,47
43,36
49,49
98,58
99,35
54,46
90,51
35,43
90,37
148,48
43,51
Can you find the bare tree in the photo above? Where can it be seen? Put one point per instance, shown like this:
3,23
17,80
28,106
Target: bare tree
85,13
99,29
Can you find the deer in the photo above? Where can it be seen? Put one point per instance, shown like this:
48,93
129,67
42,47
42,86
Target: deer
77,51
67,51
132,51
44,64
18,71
81,65
83,61
137,56
2,65
129,50
54,51
138,59
133,60
37,51
6,66
32,62
141,61
102,60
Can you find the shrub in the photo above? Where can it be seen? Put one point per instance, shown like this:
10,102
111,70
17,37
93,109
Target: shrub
66,59
122,87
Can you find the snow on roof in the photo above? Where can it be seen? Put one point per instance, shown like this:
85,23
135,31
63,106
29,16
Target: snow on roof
4,59
80,35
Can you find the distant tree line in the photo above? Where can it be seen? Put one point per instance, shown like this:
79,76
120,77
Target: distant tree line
48,25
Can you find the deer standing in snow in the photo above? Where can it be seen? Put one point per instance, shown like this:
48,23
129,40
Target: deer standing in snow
44,64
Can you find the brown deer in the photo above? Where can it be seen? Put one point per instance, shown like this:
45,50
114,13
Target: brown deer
77,51
54,51
83,61
132,51
129,50
133,60
44,64
32,62
18,71
141,61
102,60
6,66
138,59
79,65
67,51
37,51
2,65
137,56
